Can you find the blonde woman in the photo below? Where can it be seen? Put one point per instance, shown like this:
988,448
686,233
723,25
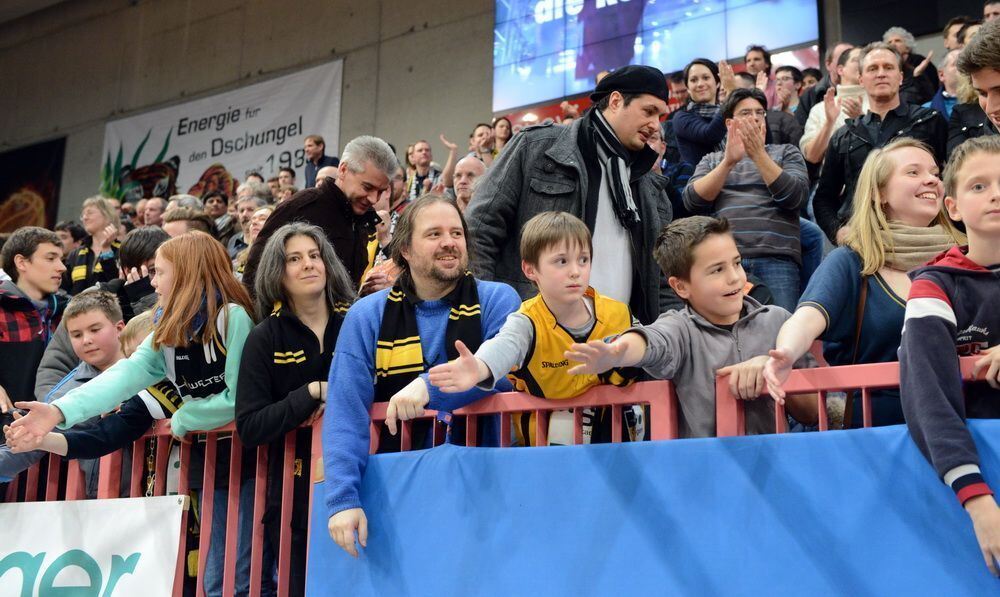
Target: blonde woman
96,260
856,300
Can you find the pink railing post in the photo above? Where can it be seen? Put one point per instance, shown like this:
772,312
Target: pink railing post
109,476
183,488
257,541
52,478
284,554
207,497
74,481
729,419
230,561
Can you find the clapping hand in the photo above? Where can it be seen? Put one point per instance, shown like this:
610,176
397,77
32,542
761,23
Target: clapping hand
735,151
460,375
919,70
451,146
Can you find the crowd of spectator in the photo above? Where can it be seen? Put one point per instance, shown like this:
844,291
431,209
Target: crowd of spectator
714,222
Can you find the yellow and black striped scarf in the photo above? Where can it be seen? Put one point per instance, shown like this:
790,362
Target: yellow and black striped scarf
398,355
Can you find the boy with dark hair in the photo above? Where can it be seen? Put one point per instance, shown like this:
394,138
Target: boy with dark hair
952,312
132,288
719,325
31,305
555,255
71,234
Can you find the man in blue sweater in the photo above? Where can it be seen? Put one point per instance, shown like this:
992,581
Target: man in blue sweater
392,337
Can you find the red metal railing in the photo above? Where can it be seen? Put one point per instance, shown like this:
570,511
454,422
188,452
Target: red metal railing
658,395
729,418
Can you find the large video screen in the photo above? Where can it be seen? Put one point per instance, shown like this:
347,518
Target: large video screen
547,49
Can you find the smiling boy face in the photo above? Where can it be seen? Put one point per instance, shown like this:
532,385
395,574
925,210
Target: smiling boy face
715,285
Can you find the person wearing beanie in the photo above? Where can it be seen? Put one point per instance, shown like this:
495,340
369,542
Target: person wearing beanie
599,169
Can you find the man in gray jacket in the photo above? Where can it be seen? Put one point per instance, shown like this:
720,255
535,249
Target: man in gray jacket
597,169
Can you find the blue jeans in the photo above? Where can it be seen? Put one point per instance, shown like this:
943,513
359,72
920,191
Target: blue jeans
216,552
812,239
780,275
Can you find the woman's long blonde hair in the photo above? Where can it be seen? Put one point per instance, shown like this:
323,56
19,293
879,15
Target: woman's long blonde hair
868,220
202,275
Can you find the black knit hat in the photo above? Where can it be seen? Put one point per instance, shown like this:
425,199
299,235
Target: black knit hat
636,79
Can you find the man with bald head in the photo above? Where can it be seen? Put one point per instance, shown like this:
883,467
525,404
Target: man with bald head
324,173
467,170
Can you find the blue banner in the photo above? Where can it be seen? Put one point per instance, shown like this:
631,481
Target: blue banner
837,513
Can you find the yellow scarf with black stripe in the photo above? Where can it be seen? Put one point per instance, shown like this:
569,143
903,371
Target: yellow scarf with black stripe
398,354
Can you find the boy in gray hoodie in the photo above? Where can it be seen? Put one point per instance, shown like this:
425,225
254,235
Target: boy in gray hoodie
721,332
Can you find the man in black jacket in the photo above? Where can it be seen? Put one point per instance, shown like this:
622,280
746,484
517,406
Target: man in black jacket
342,208
886,119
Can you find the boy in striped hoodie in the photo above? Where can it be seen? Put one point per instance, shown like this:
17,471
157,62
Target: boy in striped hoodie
952,304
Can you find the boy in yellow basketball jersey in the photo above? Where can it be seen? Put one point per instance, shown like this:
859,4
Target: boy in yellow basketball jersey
556,253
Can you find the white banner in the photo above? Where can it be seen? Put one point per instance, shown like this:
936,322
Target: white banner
113,548
216,141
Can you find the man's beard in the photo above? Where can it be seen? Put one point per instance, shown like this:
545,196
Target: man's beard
439,274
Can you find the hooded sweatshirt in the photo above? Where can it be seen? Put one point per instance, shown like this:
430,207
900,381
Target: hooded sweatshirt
25,329
951,312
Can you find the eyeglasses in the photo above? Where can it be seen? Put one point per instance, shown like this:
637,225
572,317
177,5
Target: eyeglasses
784,79
748,113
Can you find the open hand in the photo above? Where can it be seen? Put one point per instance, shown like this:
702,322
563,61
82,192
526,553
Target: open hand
460,375
762,81
830,107
851,106
451,146
407,404
919,70
735,151
727,78
27,432
776,371
595,356
103,238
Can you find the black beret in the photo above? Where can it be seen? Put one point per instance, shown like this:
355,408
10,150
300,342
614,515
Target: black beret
636,79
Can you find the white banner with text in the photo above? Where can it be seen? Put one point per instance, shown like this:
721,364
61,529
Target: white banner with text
112,548
214,142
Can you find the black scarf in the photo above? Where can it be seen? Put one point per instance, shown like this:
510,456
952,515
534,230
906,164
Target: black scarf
616,162
399,358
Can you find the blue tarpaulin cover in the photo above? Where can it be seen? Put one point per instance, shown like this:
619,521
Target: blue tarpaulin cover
838,513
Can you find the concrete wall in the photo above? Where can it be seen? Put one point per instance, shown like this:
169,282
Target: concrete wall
412,68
